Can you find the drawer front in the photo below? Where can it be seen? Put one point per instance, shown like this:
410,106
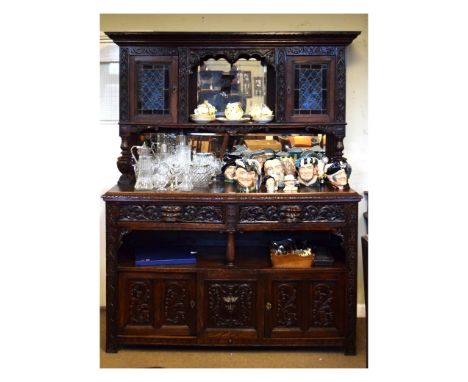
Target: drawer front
171,213
292,213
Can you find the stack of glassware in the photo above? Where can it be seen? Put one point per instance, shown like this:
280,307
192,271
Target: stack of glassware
168,164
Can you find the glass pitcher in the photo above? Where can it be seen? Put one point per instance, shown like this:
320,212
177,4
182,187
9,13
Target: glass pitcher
143,167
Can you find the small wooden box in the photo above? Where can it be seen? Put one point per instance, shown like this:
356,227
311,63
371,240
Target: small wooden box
291,261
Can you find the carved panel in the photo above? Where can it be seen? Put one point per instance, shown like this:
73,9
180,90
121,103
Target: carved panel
280,84
114,237
170,214
152,51
176,302
123,85
311,51
340,87
183,84
197,56
140,300
292,213
231,304
322,305
287,308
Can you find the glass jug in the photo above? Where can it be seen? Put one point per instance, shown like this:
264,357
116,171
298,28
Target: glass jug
143,167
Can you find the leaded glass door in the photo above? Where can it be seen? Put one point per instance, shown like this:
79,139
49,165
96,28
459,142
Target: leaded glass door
153,88
310,89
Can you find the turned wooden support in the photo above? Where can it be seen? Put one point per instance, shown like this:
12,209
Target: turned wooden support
230,249
232,216
124,162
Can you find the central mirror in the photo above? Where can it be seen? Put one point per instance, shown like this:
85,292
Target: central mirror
221,83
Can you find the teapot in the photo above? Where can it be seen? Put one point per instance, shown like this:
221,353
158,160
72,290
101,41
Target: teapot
143,167
234,111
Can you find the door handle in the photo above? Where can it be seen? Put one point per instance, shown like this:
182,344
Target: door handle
192,304
268,306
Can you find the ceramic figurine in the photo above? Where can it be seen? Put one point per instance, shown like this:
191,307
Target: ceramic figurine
262,155
290,183
248,175
204,112
338,174
307,171
288,165
261,113
229,171
233,111
271,184
274,167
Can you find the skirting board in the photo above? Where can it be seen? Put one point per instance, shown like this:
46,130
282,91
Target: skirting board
360,311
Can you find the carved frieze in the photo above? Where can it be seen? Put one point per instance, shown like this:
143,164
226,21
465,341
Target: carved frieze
287,308
171,214
292,213
231,304
152,51
176,302
311,51
322,305
197,56
140,300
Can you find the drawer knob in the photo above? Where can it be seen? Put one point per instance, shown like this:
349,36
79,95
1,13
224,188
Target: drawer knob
268,306
192,304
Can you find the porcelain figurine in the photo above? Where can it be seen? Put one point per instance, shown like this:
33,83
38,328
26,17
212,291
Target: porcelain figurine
271,184
338,174
234,111
288,165
248,175
262,155
261,113
204,112
307,171
229,171
290,183
274,167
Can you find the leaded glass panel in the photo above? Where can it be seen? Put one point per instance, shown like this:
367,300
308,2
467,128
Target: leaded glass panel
153,89
310,88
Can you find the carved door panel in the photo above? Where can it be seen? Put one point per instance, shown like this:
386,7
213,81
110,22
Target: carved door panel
153,88
232,312
297,306
310,88
157,304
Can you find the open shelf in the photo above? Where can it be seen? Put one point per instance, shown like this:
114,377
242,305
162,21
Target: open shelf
252,250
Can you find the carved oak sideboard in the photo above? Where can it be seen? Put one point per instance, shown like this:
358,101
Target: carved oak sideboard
232,296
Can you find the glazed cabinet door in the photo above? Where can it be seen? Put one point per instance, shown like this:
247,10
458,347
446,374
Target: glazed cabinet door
231,311
310,88
297,306
157,304
153,88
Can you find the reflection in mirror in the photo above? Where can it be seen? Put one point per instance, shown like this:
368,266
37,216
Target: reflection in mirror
221,83
221,143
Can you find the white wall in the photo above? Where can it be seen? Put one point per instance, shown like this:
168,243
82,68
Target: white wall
355,143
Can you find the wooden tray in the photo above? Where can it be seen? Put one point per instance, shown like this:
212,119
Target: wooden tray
291,261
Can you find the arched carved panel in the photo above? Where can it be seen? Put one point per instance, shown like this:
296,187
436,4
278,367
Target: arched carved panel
176,302
287,304
322,305
140,292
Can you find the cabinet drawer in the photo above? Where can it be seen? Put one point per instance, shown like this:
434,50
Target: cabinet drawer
158,213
